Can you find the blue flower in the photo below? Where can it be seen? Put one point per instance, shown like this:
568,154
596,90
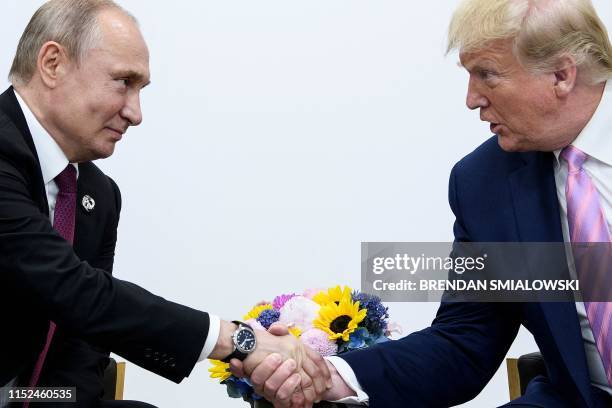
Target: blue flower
376,319
358,338
268,317
238,387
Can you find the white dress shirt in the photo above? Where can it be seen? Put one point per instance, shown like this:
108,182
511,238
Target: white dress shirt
52,162
596,141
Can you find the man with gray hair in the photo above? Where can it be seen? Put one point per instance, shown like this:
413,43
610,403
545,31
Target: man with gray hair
77,76
538,72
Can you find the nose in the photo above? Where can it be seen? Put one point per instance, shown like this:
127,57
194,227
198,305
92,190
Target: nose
475,98
131,110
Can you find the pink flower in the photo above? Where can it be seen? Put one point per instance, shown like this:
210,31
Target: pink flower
299,312
310,293
255,324
280,301
393,328
319,341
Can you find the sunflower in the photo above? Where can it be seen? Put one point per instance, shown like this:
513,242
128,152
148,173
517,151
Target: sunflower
333,295
340,320
256,311
219,370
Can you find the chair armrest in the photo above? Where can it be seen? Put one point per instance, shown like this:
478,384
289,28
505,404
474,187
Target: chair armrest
114,378
530,366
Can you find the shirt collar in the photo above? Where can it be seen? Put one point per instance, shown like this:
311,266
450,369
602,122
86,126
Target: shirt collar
51,157
596,138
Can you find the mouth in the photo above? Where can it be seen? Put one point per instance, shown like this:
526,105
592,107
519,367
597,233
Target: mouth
117,133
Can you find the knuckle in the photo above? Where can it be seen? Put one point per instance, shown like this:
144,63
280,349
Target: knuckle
269,387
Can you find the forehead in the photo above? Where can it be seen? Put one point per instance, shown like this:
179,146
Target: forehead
498,53
121,44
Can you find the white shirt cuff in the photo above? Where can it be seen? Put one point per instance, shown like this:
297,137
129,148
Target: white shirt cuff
214,328
349,377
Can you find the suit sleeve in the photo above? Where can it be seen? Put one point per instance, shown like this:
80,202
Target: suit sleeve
87,302
447,363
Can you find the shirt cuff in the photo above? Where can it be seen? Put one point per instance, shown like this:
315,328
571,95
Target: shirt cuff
214,328
349,377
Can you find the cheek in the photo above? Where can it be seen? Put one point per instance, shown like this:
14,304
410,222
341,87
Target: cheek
105,107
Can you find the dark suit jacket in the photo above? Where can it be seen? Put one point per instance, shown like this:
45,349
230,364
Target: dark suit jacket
42,278
496,197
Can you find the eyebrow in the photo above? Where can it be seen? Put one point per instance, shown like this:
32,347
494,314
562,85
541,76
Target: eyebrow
137,76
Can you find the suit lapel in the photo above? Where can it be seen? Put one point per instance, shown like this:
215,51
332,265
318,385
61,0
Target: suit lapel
86,228
538,219
18,148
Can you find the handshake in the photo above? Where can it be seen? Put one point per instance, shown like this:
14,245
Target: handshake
282,369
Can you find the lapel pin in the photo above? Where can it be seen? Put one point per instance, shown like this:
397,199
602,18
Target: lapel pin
88,203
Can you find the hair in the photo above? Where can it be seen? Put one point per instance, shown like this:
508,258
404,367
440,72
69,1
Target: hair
542,32
71,23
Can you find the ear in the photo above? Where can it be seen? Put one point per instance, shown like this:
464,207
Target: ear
52,64
566,76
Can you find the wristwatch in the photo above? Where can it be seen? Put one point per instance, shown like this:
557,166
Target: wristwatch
244,341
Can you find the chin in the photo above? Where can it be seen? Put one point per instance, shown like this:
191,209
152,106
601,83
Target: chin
510,144
104,152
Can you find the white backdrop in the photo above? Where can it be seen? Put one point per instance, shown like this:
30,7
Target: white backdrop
277,136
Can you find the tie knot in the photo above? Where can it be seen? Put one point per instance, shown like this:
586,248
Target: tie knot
66,181
575,157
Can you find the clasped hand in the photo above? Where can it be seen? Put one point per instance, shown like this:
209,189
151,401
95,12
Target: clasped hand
283,370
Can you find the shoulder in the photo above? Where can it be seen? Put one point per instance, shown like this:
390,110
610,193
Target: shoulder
488,160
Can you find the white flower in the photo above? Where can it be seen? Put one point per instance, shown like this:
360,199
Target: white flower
299,312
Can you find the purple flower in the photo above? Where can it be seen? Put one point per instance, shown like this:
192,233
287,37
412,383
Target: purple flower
376,319
268,317
319,341
280,301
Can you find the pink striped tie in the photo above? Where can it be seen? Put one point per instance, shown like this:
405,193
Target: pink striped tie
63,223
587,224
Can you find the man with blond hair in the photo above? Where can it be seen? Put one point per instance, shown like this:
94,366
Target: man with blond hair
77,76
538,72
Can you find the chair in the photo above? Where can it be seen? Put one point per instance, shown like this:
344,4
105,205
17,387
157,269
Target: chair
114,379
523,370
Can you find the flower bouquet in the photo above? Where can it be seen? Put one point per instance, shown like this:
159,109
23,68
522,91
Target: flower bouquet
331,321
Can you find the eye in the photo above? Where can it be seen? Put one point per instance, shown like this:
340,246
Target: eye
485,74
124,81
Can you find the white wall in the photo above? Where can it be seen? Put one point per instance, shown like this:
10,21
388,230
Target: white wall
277,136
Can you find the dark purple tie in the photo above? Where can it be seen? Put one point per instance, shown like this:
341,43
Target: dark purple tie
63,223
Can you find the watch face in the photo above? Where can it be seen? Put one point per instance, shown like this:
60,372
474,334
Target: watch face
245,340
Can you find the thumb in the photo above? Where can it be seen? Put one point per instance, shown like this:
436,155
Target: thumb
237,368
278,329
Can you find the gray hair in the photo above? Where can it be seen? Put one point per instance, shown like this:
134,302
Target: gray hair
70,23
543,31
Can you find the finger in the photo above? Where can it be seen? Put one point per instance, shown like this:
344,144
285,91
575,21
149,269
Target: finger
319,382
307,389
321,374
278,329
237,368
322,365
274,382
286,390
297,399
265,369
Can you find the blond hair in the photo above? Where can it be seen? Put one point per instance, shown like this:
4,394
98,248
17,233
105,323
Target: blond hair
543,31
70,23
